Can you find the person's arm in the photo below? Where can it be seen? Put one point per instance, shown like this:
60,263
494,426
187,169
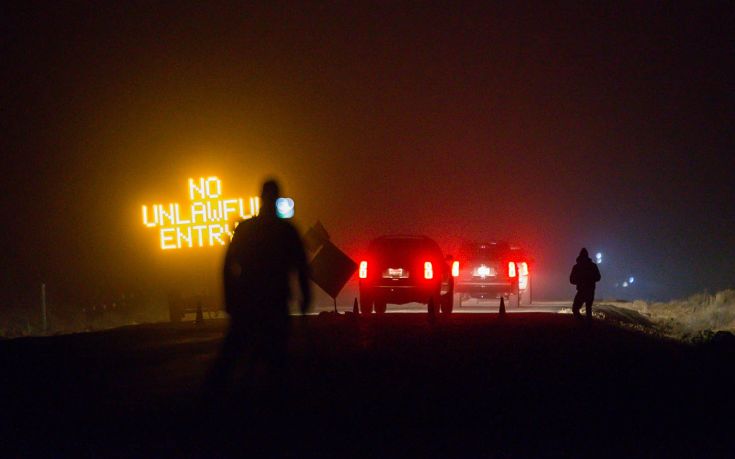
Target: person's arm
598,276
573,276
231,272
229,278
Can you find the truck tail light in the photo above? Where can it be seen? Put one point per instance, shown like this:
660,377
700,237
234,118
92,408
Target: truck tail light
511,269
428,270
455,269
363,270
523,275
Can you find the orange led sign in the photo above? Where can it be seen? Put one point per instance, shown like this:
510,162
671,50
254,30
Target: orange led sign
207,220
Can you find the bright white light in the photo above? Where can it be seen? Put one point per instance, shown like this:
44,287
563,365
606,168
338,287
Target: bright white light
598,257
428,270
631,279
284,207
511,269
483,271
625,284
523,282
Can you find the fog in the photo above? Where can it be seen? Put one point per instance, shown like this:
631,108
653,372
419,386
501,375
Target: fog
554,128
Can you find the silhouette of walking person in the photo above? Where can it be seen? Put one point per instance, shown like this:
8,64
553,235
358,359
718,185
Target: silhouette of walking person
264,252
585,274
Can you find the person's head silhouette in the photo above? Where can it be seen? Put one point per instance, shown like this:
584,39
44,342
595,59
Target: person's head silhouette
268,196
583,253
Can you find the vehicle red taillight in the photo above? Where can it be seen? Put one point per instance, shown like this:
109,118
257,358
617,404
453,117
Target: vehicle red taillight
511,269
363,270
428,270
523,275
455,268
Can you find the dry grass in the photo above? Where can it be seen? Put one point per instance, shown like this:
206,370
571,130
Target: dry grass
61,319
693,318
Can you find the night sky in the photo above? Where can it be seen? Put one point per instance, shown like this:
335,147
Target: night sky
554,126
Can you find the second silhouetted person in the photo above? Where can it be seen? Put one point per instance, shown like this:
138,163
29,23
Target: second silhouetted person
585,274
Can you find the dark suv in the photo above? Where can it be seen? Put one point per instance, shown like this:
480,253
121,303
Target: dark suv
404,269
490,270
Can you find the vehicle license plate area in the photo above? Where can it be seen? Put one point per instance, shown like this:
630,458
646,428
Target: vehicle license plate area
484,272
395,273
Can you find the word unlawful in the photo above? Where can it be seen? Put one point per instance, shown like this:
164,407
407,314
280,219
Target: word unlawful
208,220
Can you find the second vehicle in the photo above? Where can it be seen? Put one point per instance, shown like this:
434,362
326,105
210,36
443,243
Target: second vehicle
491,270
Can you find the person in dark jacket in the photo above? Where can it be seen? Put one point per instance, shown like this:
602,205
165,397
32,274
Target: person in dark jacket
265,251
585,275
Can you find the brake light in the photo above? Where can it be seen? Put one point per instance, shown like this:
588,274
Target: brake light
511,269
523,275
455,268
363,270
428,270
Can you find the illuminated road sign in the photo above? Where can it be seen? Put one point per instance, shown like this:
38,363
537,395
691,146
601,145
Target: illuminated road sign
207,220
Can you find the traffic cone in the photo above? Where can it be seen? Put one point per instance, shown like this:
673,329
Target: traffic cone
355,307
502,306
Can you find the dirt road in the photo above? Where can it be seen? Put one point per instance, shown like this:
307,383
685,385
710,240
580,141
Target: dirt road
468,385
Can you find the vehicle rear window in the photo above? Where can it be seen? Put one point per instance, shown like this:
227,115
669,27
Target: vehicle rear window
403,246
484,251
